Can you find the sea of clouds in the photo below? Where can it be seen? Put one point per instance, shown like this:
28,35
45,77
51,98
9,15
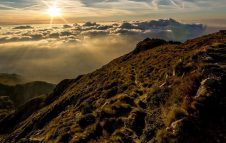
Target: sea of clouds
53,53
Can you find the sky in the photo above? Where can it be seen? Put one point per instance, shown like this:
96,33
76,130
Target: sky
36,11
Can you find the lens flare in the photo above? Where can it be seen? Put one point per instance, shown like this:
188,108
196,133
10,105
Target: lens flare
54,11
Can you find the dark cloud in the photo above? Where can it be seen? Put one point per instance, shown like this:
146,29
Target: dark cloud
23,27
127,25
90,24
54,35
67,26
104,27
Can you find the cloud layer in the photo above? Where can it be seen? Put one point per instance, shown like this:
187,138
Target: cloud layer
41,52
168,29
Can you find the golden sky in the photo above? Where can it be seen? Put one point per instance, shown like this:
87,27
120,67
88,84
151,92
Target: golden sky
36,11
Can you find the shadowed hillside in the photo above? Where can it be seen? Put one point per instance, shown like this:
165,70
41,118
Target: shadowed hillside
162,92
21,93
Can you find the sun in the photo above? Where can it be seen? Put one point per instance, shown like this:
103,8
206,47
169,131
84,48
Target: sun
54,11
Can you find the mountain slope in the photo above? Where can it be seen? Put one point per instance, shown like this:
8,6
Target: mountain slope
161,92
13,96
6,106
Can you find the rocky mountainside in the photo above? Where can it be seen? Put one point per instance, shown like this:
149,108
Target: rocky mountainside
162,92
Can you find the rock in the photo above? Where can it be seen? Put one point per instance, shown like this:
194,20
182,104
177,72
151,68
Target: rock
206,88
177,126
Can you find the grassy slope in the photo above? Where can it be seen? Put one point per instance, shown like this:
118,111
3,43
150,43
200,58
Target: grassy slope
146,95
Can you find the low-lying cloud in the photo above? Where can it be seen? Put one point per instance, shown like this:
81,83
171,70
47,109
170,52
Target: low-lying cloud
40,52
56,60
168,29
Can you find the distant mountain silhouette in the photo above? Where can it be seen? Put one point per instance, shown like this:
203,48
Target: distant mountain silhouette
11,79
21,93
162,92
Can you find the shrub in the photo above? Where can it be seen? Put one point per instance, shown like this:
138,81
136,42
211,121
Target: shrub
87,120
110,125
112,92
175,114
137,121
164,136
123,136
86,108
156,98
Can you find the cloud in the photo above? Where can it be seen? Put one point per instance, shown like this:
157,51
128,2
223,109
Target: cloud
55,53
168,29
67,26
88,24
180,3
53,60
23,27
93,3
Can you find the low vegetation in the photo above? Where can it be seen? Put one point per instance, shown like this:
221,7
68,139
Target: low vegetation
162,92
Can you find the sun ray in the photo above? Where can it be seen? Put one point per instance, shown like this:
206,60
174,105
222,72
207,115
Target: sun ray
65,21
51,21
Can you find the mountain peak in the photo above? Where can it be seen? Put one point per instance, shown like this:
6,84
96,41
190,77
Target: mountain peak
148,44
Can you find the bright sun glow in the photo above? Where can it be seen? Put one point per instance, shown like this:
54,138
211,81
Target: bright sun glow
54,11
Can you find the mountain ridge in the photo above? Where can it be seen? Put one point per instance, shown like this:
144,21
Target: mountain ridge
160,93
